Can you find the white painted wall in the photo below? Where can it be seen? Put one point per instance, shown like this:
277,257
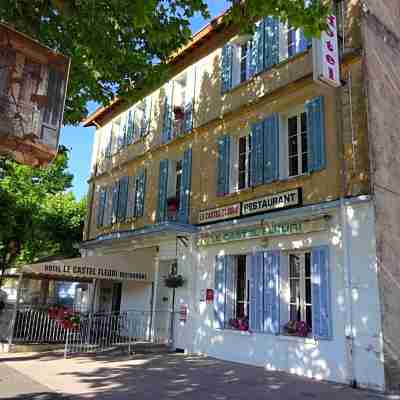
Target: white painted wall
136,296
321,359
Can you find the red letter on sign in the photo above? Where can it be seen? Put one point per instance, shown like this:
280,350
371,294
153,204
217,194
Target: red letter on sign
330,59
332,20
329,46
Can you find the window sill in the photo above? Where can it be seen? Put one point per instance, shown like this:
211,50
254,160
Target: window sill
236,331
298,339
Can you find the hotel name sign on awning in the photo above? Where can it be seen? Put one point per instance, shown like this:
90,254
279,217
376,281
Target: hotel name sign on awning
87,271
137,265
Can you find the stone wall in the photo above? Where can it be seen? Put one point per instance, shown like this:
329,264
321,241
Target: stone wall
381,32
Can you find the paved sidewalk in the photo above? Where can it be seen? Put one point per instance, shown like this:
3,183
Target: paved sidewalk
145,377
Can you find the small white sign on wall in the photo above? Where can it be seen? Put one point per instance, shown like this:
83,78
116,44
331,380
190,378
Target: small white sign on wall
326,55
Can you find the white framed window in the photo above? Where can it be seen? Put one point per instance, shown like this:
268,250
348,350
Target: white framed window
291,41
300,292
237,300
294,152
241,162
174,188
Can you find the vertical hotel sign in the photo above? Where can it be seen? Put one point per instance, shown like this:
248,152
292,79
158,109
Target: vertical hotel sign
326,55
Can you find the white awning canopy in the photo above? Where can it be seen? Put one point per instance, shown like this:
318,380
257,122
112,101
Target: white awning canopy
136,265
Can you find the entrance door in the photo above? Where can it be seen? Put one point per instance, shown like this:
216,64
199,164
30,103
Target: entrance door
162,320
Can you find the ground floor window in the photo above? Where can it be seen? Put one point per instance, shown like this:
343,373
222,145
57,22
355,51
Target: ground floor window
237,294
276,292
300,305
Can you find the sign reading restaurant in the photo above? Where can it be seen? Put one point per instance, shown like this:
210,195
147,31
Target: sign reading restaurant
273,202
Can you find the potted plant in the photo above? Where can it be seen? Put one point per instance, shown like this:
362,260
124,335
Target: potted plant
173,281
297,328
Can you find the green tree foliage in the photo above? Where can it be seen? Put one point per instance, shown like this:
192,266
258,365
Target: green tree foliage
38,218
120,47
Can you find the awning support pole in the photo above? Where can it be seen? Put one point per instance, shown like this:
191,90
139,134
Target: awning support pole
14,317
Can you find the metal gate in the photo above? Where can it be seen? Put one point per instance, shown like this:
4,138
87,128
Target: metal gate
101,332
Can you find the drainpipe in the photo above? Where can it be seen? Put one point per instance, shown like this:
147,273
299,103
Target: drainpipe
346,237
349,332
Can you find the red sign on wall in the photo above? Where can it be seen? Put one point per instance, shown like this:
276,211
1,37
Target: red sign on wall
209,296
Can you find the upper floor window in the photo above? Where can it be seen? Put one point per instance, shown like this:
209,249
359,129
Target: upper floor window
174,185
281,146
177,118
297,144
272,42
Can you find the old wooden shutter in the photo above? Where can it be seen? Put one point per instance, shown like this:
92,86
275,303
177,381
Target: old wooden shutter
257,154
220,291
257,49
162,191
130,126
130,208
271,291
101,207
184,200
140,193
271,42
122,198
316,133
223,165
114,207
271,148
226,68
166,133
256,272
321,300
145,123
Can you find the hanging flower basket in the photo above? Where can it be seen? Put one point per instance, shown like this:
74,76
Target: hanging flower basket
174,281
179,113
241,324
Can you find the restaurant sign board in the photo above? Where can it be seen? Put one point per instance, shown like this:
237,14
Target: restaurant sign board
272,202
267,229
220,213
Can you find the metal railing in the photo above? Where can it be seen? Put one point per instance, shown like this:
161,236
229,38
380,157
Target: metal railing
100,332
91,332
34,326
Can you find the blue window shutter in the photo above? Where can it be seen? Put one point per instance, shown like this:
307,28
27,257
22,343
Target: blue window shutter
226,68
256,269
271,148
304,43
271,292
316,133
101,207
140,193
188,118
271,42
145,122
129,127
130,207
230,289
220,291
109,142
257,49
122,198
114,206
166,133
257,154
184,201
224,145
321,304
162,191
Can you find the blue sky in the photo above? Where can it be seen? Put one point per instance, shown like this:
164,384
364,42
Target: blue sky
79,140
